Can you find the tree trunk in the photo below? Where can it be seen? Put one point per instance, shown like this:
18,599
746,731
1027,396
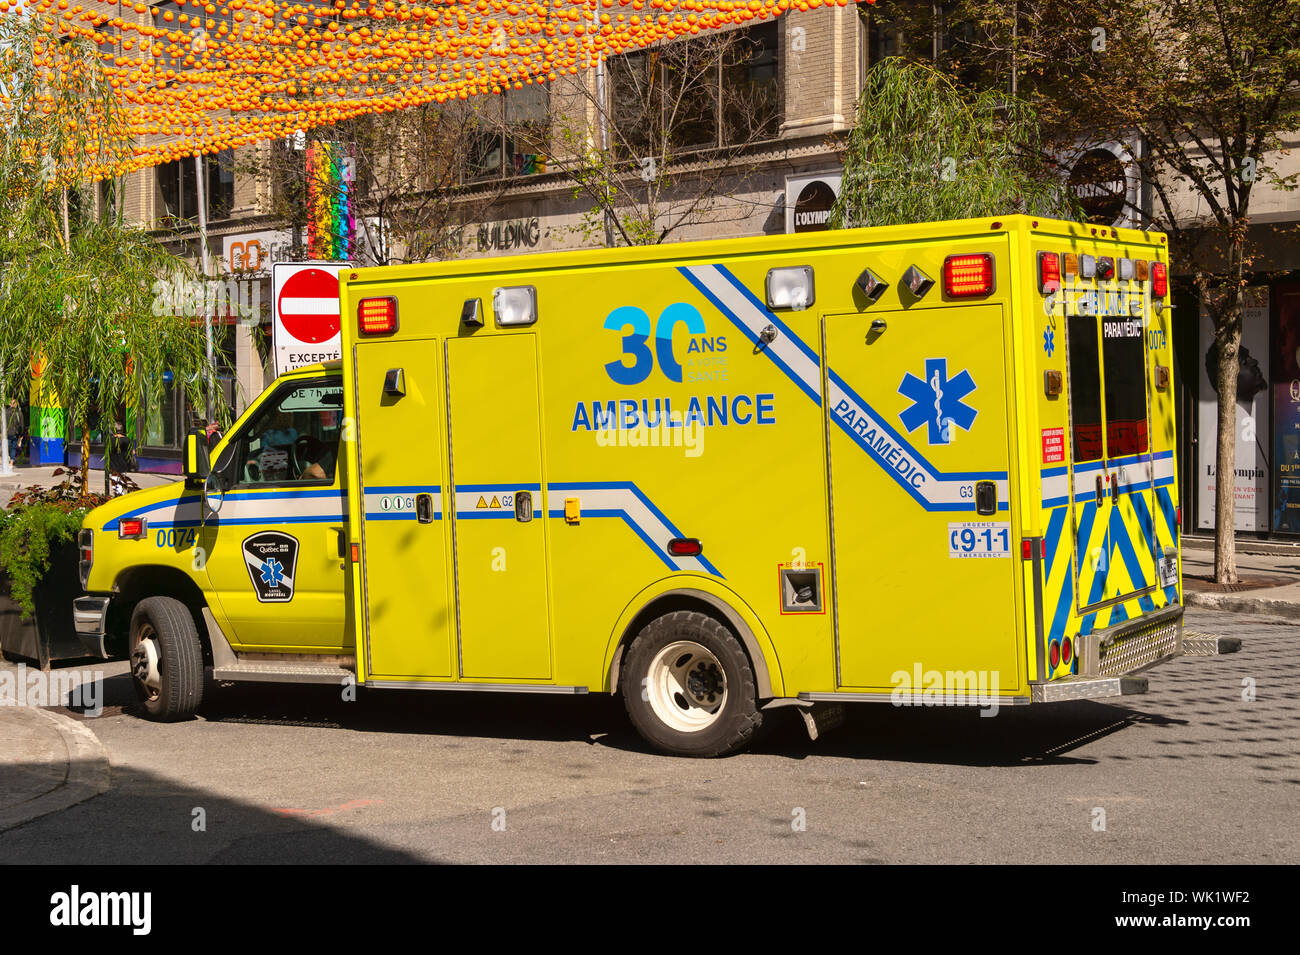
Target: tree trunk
85,453
67,228
1227,335
5,464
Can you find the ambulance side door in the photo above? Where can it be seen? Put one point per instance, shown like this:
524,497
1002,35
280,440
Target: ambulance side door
275,549
919,449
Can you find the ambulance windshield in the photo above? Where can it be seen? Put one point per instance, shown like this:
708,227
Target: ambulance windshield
294,439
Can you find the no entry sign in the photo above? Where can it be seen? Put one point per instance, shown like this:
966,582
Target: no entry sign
305,329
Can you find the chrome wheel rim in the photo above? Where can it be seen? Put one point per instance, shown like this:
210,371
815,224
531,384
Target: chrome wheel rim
687,686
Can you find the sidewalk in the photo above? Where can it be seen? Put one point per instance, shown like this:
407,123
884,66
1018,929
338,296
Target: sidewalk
48,762
1280,568
45,477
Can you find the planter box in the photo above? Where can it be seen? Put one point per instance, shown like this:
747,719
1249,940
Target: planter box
50,635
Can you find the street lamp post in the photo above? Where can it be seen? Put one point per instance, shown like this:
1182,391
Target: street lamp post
203,256
604,147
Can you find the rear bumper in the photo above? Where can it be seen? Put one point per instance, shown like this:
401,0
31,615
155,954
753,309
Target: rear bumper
1109,660
89,619
1083,688
1133,645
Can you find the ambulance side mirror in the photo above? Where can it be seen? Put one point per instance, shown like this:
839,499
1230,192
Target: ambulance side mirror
214,495
197,465
216,482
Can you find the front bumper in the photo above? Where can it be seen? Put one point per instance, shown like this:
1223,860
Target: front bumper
90,620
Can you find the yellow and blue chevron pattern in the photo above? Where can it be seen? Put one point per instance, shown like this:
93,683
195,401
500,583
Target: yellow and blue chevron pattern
1098,554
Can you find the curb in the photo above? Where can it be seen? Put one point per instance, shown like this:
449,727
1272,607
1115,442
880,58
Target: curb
86,774
1240,603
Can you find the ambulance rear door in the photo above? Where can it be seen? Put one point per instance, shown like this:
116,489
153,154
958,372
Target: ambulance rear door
1112,464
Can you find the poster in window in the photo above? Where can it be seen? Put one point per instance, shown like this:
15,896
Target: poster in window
1252,468
1286,409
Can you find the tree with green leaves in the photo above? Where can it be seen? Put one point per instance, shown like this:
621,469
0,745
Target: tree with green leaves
924,150
1203,93
78,287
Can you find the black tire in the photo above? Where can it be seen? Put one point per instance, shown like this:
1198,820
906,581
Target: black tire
180,659
731,725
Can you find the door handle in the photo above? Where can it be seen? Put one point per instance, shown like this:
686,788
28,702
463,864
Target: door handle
424,508
986,498
1101,493
524,506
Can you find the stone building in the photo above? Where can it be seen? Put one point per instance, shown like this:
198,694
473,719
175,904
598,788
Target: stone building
810,65
515,196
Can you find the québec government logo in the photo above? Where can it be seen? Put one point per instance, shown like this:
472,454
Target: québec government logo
272,559
937,402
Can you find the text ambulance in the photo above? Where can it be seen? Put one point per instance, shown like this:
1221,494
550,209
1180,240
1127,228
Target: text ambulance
920,464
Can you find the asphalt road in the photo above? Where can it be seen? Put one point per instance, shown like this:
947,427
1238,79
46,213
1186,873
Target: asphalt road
1190,773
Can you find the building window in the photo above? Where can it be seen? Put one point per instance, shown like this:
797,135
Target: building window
178,188
708,92
161,419
191,34
923,30
110,191
512,137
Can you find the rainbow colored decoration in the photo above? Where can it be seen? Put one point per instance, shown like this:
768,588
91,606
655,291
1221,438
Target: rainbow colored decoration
329,207
46,428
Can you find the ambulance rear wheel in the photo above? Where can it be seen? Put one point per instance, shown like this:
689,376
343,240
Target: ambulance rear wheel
166,659
689,688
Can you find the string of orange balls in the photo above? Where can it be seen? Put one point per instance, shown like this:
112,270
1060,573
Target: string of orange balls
200,76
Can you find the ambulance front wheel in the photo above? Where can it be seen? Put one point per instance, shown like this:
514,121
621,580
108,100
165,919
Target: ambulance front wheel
166,659
688,686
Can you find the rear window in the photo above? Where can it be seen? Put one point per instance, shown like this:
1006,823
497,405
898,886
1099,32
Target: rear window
1085,388
1123,348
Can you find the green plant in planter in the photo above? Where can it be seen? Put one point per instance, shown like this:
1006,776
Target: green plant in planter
37,521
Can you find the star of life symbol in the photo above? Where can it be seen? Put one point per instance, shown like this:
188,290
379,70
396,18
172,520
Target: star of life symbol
1049,342
271,558
272,572
937,401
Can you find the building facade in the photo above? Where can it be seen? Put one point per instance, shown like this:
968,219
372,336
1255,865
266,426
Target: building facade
760,154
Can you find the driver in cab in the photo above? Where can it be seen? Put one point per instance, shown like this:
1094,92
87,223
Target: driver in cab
288,449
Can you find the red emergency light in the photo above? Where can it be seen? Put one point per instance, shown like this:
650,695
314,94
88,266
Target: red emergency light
131,528
968,276
1159,279
1049,272
377,316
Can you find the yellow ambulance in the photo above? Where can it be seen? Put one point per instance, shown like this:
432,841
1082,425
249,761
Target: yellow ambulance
925,464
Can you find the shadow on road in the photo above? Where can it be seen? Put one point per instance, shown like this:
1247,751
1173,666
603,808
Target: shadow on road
148,820
1015,736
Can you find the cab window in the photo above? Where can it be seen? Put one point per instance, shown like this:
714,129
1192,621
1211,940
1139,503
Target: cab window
293,439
